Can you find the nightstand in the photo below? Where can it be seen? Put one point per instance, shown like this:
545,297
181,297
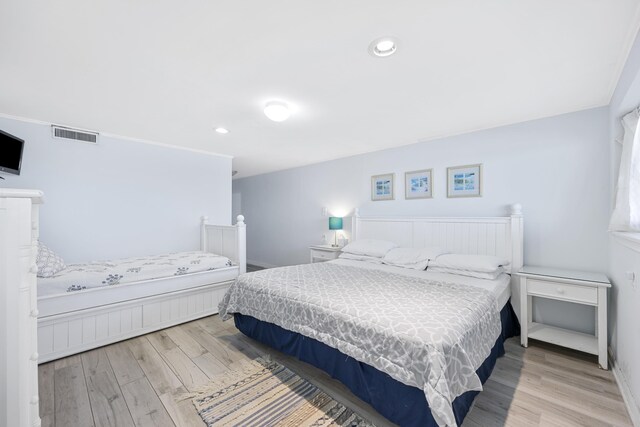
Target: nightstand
565,285
321,253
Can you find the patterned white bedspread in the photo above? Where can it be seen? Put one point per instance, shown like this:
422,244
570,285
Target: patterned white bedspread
78,277
427,334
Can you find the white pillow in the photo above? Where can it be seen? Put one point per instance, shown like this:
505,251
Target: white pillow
479,274
49,264
365,258
481,263
370,247
416,258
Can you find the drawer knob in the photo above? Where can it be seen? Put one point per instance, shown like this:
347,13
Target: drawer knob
35,312
35,356
560,291
34,400
33,270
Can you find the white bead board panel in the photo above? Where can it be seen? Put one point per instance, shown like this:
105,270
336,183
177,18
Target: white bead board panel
227,240
483,237
499,236
70,333
222,241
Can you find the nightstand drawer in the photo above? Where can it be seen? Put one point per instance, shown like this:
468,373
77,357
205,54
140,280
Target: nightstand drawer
324,254
563,291
321,253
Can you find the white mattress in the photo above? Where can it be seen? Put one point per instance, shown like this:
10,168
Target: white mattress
78,278
499,287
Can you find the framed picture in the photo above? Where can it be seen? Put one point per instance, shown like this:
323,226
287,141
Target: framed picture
382,187
464,181
418,184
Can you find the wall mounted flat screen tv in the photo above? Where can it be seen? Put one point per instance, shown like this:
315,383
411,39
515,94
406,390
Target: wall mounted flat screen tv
10,153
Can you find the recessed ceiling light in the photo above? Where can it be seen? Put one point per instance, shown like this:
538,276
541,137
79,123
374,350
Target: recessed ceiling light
222,130
384,46
277,111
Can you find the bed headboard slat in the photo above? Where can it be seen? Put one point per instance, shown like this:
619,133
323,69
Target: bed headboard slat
226,240
499,236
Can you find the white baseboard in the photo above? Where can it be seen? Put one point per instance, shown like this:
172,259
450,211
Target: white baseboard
261,264
623,385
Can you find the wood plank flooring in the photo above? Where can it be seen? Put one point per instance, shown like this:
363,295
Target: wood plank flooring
143,381
251,268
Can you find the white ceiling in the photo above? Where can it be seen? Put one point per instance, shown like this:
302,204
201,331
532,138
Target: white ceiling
171,71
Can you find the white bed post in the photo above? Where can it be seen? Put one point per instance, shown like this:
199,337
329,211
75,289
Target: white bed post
517,254
242,243
203,233
354,224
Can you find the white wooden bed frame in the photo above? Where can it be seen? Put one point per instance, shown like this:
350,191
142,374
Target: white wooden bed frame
72,323
499,236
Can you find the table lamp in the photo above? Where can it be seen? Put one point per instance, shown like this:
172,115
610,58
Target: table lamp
335,223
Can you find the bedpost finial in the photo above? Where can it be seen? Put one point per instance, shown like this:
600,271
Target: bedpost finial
204,219
240,220
515,209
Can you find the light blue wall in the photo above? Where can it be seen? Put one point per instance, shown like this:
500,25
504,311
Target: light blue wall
557,168
119,198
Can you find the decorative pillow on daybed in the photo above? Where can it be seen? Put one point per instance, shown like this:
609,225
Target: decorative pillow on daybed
369,247
414,258
366,258
48,262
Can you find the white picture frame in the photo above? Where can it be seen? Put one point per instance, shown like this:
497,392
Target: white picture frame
418,184
464,181
382,187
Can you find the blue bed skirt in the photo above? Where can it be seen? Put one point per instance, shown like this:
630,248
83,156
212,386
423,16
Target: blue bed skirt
398,402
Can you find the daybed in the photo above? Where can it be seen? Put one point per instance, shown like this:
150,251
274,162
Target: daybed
415,345
90,305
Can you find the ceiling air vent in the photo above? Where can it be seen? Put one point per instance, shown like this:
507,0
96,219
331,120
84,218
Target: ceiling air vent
74,134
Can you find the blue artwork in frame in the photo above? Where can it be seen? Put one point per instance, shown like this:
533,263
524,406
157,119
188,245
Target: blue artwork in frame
382,187
418,184
464,181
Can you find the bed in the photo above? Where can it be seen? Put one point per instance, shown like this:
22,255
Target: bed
415,345
94,304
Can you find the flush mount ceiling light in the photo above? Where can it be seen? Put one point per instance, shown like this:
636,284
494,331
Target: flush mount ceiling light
277,111
223,131
383,47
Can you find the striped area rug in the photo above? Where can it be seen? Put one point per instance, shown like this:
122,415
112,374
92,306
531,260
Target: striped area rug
268,394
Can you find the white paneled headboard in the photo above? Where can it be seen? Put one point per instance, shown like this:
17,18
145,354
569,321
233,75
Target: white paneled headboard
227,240
500,236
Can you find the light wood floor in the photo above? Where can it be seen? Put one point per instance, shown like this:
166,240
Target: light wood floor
142,382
